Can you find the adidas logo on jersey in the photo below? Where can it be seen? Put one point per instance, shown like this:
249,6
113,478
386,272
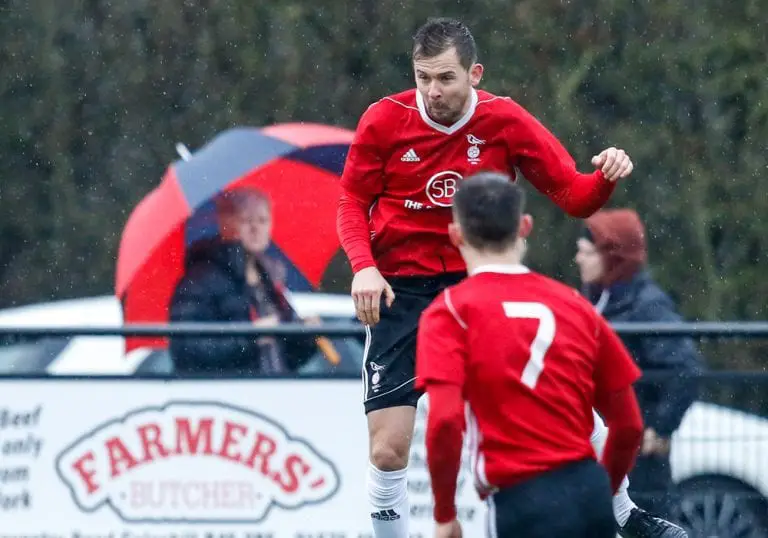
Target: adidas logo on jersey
410,157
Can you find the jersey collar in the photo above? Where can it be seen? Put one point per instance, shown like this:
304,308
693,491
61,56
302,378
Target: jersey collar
501,268
447,129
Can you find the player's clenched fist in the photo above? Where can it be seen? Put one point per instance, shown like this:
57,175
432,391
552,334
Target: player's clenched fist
367,287
614,163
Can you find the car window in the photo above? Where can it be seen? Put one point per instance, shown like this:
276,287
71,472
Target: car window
30,357
160,362
350,348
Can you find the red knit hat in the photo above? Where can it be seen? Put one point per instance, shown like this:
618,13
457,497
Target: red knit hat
619,236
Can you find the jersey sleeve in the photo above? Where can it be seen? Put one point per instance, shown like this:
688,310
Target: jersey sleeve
441,344
361,182
615,369
548,166
363,175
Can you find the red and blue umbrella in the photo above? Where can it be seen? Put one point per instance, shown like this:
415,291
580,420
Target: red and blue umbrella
297,164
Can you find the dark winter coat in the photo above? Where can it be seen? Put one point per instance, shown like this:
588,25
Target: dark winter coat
214,289
663,403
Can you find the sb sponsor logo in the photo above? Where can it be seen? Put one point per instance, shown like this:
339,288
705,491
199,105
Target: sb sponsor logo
442,187
439,190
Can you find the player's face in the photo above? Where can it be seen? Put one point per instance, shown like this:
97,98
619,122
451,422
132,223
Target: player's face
589,260
255,226
445,85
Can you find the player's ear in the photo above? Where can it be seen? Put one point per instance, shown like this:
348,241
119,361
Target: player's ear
455,235
526,226
475,74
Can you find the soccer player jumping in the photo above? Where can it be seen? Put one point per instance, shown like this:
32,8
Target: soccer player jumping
411,151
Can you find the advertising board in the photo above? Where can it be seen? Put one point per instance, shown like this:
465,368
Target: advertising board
197,459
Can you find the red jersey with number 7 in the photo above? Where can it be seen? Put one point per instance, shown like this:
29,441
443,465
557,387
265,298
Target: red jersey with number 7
531,355
403,169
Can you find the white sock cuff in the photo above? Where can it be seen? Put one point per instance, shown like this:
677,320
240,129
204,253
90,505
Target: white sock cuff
386,489
387,476
388,502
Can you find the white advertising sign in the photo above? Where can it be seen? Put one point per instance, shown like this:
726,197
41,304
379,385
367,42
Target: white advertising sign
196,459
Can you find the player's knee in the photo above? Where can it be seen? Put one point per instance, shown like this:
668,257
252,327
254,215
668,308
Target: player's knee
390,432
389,456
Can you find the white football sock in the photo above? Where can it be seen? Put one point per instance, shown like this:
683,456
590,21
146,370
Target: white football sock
388,498
622,504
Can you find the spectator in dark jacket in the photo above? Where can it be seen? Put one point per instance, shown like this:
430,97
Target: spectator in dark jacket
612,258
229,279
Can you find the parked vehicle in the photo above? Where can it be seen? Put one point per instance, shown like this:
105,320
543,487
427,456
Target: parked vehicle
719,455
104,355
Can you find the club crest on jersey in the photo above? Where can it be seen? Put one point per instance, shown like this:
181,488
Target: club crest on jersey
473,153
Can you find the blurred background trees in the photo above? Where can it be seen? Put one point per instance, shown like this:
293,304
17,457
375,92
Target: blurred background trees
94,96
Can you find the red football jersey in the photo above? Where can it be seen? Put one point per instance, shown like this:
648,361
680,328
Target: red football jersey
530,354
403,169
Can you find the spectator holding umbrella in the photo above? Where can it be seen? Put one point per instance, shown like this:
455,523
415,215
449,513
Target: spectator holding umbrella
231,279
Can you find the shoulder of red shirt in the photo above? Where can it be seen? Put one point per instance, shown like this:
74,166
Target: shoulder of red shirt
464,290
500,104
382,110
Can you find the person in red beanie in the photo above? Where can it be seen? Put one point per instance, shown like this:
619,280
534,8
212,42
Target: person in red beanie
612,257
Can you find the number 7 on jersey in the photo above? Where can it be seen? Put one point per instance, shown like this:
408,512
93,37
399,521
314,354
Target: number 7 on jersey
545,334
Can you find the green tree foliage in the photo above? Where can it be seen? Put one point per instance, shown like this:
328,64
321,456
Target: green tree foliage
94,95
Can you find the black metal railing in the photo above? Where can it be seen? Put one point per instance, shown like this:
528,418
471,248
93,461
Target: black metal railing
739,329
719,454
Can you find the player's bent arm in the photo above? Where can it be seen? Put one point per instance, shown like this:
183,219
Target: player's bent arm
552,170
615,399
441,358
444,439
625,432
584,195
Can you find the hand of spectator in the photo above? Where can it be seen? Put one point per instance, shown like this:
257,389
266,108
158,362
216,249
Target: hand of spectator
649,437
614,163
314,321
267,321
653,444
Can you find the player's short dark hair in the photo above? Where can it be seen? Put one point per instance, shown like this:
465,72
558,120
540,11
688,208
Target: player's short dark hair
488,207
438,35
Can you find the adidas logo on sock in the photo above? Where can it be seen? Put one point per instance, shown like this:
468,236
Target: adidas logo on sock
410,157
385,515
